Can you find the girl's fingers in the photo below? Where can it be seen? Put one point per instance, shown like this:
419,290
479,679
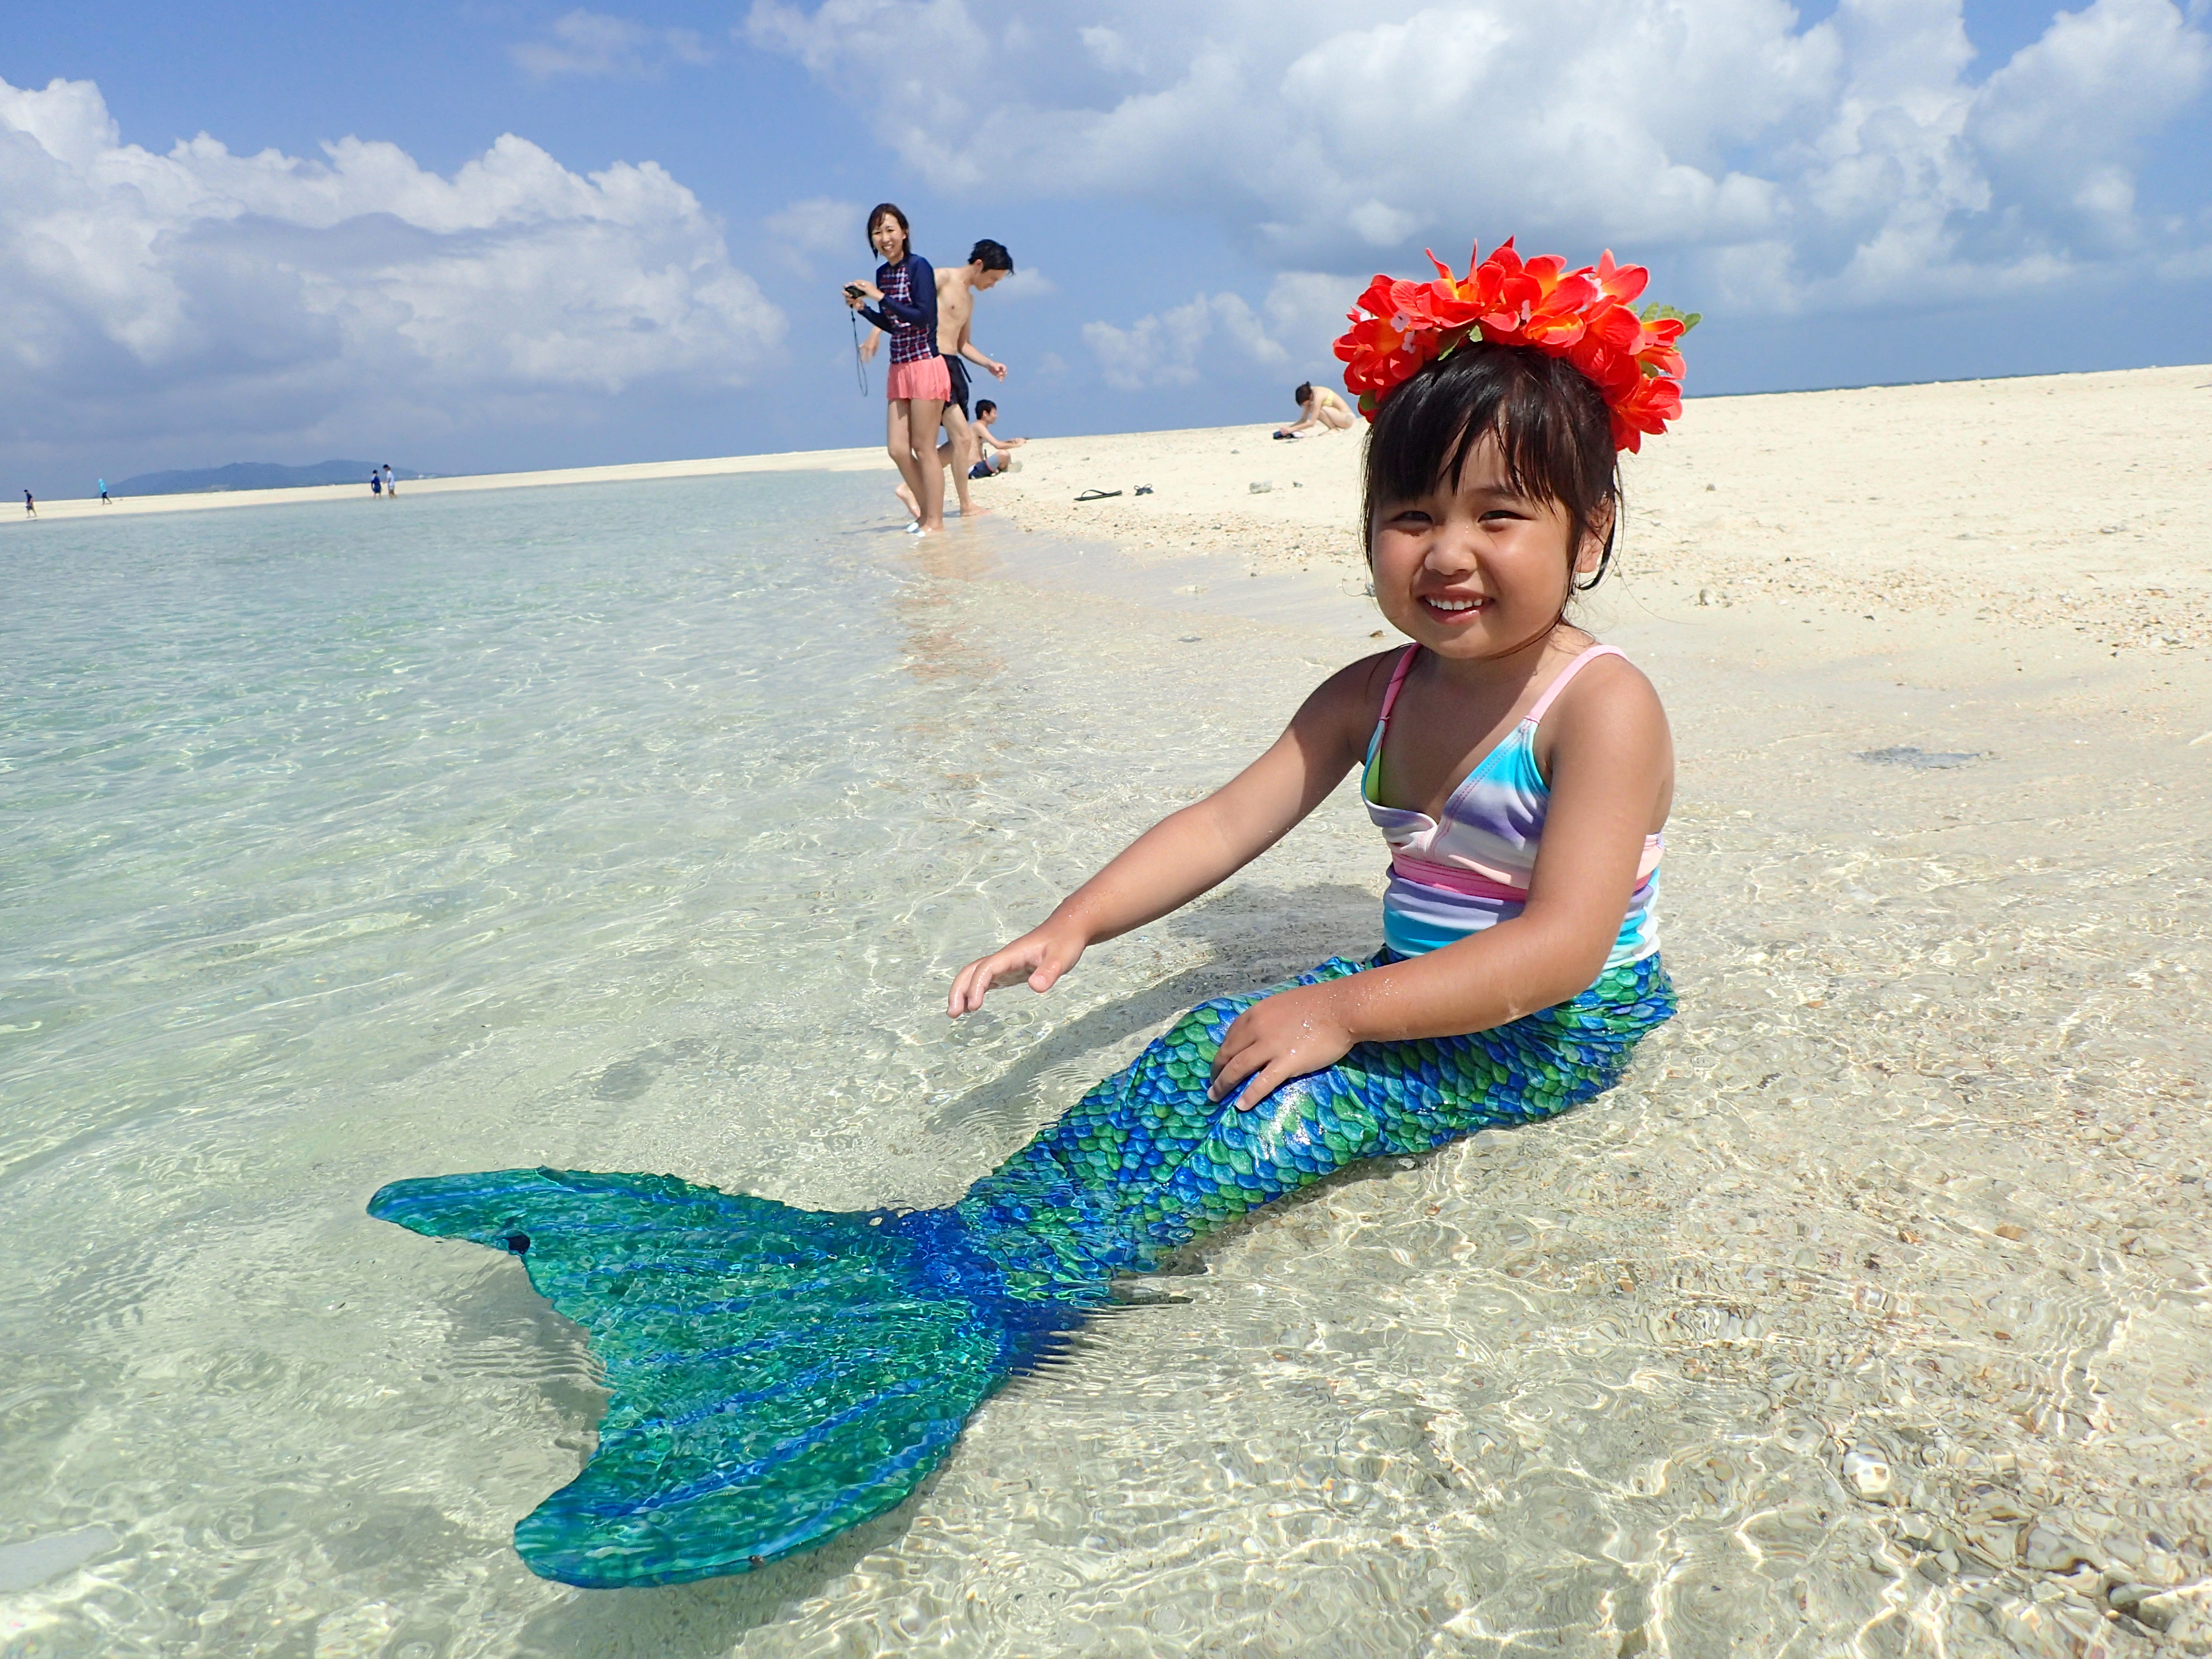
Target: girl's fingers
958,1002
970,985
1019,962
1231,1069
1276,1073
981,978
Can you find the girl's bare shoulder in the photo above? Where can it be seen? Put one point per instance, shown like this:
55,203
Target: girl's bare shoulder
1359,687
1350,700
1610,694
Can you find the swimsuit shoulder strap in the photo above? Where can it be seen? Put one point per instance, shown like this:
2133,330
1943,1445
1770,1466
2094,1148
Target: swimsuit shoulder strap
1397,680
1551,691
1382,720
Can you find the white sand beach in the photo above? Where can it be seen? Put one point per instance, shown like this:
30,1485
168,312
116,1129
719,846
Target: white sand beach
2076,503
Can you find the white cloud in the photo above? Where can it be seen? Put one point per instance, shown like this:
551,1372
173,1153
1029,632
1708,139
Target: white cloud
819,226
1305,310
1165,349
2060,122
1109,51
1778,166
1026,283
295,302
1154,350
593,44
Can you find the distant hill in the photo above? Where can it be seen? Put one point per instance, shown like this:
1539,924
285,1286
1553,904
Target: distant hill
254,474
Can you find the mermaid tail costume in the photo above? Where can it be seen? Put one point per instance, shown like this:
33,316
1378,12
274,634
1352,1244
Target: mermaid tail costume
778,1375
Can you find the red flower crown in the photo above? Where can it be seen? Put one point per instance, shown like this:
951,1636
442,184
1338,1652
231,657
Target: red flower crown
1581,315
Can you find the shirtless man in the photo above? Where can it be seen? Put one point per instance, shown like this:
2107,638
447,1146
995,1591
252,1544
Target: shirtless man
988,264
1319,409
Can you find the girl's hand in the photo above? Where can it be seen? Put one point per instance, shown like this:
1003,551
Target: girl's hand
868,290
1276,1039
1040,957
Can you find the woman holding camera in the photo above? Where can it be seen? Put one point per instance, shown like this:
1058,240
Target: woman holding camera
905,293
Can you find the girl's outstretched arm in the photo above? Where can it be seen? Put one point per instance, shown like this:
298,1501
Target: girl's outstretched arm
1189,852
1611,770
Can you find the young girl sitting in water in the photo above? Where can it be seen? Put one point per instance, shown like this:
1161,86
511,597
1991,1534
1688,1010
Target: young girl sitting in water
1520,771
779,1375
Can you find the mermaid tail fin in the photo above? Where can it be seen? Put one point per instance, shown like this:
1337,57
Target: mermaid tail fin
777,1375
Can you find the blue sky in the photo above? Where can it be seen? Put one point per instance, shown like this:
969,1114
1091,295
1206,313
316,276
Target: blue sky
492,235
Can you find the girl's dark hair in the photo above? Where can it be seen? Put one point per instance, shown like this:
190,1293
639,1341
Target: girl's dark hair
1304,392
892,209
1553,428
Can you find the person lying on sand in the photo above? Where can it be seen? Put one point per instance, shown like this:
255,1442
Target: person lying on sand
1320,410
988,264
992,451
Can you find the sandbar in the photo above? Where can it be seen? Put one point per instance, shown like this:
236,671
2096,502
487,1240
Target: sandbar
808,460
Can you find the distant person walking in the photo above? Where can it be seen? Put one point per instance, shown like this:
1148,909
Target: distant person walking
30,507
1319,409
375,482
103,501
390,484
917,387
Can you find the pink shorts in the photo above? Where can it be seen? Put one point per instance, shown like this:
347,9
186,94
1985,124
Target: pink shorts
924,379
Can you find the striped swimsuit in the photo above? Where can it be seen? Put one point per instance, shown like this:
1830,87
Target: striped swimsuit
1470,870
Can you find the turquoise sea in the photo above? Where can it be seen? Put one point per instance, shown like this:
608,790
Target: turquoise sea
639,827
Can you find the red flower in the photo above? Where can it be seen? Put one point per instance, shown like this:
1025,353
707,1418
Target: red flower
1407,325
1621,283
1647,406
1581,315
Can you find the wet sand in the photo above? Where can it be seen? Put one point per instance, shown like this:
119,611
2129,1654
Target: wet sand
1902,1225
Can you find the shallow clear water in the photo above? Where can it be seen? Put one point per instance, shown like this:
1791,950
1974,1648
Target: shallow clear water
639,826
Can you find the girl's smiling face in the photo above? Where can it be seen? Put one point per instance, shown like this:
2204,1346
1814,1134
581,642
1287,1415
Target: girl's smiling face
1474,568
889,239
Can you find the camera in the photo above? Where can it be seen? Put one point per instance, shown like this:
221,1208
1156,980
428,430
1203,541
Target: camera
853,291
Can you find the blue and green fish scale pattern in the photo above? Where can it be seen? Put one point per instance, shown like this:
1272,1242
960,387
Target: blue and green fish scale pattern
778,1375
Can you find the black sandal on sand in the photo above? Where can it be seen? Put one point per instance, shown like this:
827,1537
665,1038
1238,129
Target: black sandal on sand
1097,494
